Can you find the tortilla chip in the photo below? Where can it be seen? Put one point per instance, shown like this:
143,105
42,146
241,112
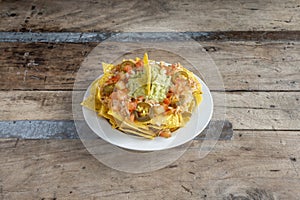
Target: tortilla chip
136,133
89,103
198,97
107,67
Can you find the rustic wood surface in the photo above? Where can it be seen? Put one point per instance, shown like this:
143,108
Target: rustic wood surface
254,43
84,15
255,165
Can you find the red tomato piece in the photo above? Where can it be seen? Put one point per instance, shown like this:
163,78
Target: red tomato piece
139,63
132,106
167,101
127,68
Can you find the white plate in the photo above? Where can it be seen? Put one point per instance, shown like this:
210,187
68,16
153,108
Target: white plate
199,120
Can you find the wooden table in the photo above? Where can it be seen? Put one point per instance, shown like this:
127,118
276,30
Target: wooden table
255,44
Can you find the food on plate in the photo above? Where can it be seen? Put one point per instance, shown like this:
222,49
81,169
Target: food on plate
144,97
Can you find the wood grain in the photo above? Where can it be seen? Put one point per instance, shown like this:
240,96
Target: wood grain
40,66
188,15
245,110
256,165
244,65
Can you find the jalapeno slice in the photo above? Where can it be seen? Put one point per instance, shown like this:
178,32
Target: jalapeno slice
108,89
142,112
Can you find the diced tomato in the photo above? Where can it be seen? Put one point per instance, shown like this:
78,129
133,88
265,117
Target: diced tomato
167,101
139,63
166,107
113,79
165,134
132,106
127,68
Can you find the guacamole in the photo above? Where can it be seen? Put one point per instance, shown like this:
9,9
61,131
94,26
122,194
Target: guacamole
160,83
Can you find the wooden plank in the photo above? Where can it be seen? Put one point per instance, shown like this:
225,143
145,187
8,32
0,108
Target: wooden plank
263,110
177,15
243,65
256,165
36,105
41,66
245,110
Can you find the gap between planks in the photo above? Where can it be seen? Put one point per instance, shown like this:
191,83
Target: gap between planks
65,129
75,37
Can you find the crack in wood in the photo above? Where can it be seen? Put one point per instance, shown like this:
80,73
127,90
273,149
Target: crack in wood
16,143
187,189
274,170
172,166
125,192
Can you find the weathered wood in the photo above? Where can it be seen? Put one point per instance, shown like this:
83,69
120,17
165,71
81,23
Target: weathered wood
36,105
243,65
256,165
40,66
261,76
245,110
177,15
